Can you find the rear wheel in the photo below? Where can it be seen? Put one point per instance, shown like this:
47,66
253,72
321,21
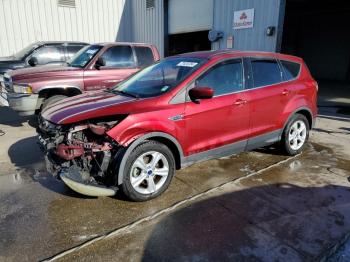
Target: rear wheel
148,171
51,100
295,135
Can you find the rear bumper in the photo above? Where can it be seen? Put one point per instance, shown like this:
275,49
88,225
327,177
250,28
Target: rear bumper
24,104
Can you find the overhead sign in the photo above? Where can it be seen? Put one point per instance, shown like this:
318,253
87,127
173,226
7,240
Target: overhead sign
243,19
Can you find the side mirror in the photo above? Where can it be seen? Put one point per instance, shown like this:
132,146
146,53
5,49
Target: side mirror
100,62
33,61
198,93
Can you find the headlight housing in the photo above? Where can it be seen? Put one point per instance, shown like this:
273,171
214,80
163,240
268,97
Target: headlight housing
22,89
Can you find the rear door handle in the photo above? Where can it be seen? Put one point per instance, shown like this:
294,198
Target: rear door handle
285,92
240,102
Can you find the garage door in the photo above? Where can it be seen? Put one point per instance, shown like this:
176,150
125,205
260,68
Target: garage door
190,16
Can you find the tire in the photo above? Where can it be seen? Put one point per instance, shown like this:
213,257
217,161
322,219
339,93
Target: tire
294,143
142,167
51,100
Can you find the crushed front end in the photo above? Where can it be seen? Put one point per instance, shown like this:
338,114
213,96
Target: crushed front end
80,154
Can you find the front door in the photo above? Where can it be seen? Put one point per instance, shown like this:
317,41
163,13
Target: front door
120,63
224,119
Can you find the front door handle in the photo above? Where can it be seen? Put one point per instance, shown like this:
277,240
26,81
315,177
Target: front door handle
285,92
240,102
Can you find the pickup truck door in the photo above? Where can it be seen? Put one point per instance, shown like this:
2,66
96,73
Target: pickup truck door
120,63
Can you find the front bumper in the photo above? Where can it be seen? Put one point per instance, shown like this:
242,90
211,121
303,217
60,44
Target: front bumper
24,104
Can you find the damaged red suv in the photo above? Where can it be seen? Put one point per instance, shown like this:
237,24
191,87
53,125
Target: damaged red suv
176,112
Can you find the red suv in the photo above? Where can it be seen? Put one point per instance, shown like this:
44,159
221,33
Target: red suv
176,112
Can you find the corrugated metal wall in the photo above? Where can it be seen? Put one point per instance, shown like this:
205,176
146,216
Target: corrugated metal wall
148,23
267,13
25,21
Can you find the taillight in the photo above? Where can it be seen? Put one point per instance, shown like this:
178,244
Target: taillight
316,85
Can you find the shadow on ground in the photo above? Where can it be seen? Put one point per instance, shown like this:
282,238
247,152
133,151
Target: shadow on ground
10,117
26,152
280,222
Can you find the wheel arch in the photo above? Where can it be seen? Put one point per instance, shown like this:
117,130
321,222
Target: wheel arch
170,141
46,92
305,111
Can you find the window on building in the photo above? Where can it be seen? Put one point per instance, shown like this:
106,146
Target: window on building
144,56
150,4
47,54
66,3
265,72
119,57
224,78
290,69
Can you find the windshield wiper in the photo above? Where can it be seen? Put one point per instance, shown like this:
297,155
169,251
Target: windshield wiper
123,93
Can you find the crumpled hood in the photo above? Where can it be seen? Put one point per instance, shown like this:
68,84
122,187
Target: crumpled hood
87,106
42,71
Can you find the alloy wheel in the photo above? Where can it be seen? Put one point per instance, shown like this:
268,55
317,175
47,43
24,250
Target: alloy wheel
149,172
297,135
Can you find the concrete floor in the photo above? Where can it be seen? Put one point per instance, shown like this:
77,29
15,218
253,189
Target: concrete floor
254,206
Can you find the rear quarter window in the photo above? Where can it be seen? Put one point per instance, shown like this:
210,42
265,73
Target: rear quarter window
290,69
144,56
265,72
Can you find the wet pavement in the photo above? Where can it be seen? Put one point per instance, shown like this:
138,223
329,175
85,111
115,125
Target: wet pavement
281,211
253,206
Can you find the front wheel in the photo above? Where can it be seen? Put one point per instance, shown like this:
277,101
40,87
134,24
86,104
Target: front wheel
148,171
51,100
295,135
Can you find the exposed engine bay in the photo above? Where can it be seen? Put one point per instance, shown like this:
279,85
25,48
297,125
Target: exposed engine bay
80,154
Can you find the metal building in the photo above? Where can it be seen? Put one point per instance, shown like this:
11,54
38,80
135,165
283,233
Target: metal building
23,22
177,26
312,29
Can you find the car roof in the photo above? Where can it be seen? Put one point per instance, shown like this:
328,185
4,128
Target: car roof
122,43
60,42
237,53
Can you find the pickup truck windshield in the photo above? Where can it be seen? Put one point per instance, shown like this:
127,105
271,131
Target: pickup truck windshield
25,51
159,78
84,56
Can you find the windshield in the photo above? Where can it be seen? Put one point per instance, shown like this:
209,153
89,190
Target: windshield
159,78
84,56
25,51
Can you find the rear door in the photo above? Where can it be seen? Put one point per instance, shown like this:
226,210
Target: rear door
120,63
223,119
266,96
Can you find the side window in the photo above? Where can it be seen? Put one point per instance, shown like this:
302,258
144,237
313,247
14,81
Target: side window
47,54
144,56
71,50
265,72
119,57
224,78
290,69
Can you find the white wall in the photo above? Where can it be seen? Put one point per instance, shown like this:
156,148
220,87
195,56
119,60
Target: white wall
25,21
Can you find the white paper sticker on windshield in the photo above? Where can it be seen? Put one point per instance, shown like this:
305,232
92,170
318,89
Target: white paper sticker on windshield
187,64
91,51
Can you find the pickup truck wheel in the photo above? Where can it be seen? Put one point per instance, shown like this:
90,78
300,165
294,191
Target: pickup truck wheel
148,171
295,135
51,100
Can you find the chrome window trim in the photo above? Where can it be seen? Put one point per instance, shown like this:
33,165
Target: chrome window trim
245,88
